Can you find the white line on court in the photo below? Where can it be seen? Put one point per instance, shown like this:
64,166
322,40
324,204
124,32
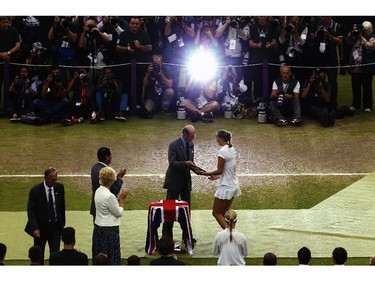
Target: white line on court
240,175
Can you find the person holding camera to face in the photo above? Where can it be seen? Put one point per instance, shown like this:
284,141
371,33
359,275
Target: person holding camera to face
361,41
262,46
158,88
231,32
52,104
328,46
315,97
93,42
81,103
64,36
205,34
292,40
21,95
284,99
109,97
230,89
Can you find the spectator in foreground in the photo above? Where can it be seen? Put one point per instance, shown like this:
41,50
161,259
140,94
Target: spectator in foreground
165,248
270,259
339,256
3,251
35,255
69,255
304,256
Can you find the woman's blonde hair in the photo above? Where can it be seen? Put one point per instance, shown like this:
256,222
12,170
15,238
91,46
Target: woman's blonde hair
231,219
107,176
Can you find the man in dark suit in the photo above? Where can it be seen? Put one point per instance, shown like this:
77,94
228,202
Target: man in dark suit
104,155
46,212
178,177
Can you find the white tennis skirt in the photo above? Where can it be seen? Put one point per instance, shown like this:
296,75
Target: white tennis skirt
225,192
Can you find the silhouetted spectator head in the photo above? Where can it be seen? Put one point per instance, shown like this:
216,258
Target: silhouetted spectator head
269,259
372,261
165,246
68,236
134,260
339,256
304,255
101,259
35,255
3,251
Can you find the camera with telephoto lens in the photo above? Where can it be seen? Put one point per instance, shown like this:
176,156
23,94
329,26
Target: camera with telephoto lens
83,77
156,68
56,78
233,23
20,83
65,23
206,24
316,81
320,32
113,20
289,27
109,79
358,30
280,98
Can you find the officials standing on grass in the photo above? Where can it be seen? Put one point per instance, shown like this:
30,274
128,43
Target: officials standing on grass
178,178
46,212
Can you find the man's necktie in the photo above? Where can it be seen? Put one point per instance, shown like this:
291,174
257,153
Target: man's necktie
51,208
187,151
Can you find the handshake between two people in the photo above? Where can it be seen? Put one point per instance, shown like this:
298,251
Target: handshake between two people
199,171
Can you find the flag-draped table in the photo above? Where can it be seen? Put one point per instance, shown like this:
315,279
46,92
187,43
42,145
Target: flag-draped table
168,211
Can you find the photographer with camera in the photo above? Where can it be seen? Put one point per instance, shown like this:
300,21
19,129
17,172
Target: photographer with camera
109,97
134,45
361,42
204,36
64,35
158,88
262,45
231,32
328,46
292,40
93,42
230,89
315,99
82,102
21,95
284,99
53,103
200,100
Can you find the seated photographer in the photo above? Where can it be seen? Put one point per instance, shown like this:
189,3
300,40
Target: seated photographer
200,100
158,91
231,89
53,103
284,99
109,98
81,102
21,95
316,96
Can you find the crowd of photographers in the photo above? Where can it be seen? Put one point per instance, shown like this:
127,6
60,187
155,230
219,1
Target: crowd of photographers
97,56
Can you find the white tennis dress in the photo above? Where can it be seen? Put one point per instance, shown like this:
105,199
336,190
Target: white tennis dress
228,183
